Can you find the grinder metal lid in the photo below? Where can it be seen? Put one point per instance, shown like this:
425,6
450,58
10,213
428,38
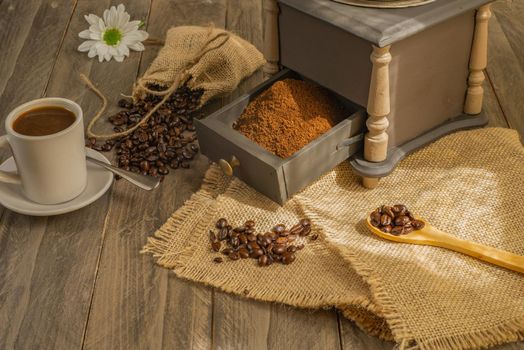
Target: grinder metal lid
385,4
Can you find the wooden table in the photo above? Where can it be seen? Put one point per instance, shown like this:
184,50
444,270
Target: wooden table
78,280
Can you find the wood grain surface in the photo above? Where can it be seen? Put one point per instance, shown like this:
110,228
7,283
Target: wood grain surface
77,280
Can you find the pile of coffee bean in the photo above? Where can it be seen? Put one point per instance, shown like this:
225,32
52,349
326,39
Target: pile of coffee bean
396,220
242,242
167,140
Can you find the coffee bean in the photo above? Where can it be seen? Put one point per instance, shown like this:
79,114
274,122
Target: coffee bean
216,246
253,245
262,260
243,242
218,260
234,241
255,253
375,216
386,229
297,229
222,234
305,222
242,239
244,254
281,240
397,230
279,228
279,249
407,229
399,209
227,251
284,233
417,224
240,229
388,211
288,258
234,256
401,220
306,231
385,220
221,223
314,237
212,236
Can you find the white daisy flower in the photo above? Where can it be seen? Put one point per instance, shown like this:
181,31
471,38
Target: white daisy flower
112,36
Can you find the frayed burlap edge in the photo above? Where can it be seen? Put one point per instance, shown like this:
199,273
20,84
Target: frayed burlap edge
160,246
506,332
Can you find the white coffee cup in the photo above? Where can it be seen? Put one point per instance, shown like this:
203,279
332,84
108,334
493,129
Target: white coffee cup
52,168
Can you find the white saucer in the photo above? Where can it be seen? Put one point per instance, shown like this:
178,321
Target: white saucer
98,181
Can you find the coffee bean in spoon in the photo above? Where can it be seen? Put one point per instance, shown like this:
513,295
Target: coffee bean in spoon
396,220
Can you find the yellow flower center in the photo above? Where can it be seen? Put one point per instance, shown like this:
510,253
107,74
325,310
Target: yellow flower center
112,36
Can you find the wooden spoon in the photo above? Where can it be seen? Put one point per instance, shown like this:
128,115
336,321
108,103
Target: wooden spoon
430,235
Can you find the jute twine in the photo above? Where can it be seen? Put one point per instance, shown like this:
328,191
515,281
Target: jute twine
468,184
197,49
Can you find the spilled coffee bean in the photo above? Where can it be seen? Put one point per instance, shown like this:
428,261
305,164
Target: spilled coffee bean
396,220
242,242
166,142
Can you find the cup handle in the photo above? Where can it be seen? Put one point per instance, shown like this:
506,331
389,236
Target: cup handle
6,177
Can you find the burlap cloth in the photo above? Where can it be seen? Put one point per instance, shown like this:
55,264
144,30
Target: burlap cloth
469,184
214,60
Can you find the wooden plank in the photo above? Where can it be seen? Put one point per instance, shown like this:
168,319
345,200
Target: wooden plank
137,304
506,76
16,21
353,338
30,38
247,324
31,35
510,14
492,108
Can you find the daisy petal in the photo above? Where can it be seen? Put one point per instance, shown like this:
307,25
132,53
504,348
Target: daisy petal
85,34
113,18
96,36
92,52
123,20
130,26
91,19
119,58
123,50
105,16
121,8
107,57
132,37
86,45
101,25
137,47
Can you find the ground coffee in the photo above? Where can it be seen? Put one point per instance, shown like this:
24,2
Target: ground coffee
288,116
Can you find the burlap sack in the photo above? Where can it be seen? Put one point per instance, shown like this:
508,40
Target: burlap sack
214,59
468,184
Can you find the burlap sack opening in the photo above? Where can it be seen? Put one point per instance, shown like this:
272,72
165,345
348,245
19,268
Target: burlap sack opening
207,58
468,184
212,59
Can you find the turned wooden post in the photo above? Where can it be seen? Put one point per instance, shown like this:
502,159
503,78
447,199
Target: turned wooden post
376,139
271,49
478,62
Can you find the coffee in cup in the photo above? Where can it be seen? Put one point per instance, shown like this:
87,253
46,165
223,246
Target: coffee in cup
47,140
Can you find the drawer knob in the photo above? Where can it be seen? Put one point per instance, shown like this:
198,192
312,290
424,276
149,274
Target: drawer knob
227,167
